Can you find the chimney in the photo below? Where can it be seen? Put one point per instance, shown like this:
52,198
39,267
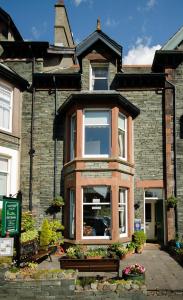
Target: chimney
63,34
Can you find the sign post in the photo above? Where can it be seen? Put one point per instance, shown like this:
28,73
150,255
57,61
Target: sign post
11,221
10,216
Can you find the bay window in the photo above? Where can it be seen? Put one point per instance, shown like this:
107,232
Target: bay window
99,77
96,212
122,208
5,108
122,136
97,133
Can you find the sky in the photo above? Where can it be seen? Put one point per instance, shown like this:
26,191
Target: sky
140,26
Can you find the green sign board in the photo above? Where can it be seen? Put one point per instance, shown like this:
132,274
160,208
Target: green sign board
10,216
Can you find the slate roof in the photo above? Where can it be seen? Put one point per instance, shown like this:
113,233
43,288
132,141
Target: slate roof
95,36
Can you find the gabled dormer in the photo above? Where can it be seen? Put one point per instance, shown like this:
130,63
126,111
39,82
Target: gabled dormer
100,59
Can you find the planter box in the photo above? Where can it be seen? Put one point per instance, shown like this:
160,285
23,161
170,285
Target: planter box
138,277
91,265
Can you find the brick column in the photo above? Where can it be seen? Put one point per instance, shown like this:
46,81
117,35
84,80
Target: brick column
170,224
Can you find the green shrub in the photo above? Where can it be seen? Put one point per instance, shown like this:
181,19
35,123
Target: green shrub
29,235
96,252
45,235
28,223
49,234
172,202
139,237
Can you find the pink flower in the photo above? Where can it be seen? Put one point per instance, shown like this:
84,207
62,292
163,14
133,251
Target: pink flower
134,269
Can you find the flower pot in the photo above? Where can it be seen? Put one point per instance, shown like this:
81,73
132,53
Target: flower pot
139,249
138,277
94,257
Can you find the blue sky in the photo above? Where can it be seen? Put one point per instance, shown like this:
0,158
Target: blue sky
140,26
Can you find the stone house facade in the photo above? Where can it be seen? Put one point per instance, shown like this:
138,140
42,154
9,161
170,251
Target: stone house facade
105,136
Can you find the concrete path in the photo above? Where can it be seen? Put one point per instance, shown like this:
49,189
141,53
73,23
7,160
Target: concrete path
163,273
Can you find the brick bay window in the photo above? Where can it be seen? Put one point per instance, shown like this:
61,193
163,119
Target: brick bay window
97,133
122,208
99,77
5,108
96,212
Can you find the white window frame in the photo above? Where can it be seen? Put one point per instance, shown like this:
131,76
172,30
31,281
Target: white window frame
125,234
10,90
72,144
97,109
7,173
126,133
13,167
98,65
104,203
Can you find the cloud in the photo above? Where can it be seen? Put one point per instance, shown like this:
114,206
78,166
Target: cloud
38,32
78,2
111,22
142,53
148,6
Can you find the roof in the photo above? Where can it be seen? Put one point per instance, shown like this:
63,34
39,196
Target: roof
21,49
7,19
12,77
102,97
174,41
166,59
65,81
95,36
138,81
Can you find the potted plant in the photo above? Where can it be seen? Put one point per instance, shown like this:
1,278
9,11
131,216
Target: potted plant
75,252
96,253
139,238
171,202
134,272
117,250
131,248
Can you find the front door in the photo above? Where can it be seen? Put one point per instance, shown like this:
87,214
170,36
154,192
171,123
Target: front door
150,219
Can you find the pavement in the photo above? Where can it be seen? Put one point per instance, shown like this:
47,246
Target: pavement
164,276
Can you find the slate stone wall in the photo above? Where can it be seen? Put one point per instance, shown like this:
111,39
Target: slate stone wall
178,81
148,139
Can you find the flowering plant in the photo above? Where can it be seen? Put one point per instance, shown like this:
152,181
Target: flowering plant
134,269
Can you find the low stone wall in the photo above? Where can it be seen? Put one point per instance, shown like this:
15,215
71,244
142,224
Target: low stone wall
56,288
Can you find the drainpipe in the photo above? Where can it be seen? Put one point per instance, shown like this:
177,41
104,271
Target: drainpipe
172,87
55,143
31,151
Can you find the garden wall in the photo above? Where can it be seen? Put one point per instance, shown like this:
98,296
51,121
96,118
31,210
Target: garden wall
66,289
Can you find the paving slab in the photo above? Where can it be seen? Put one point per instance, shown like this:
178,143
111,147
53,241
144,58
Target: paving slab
162,271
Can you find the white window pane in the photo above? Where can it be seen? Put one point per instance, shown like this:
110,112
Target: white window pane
5,102
96,140
100,84
6,119
121,122
121,143
122,198
97,117
3,164
96,216
122,220
73,137
3,184
100,71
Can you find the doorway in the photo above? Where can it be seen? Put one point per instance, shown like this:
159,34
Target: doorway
154,216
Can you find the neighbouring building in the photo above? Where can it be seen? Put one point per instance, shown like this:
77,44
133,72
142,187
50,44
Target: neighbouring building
106,136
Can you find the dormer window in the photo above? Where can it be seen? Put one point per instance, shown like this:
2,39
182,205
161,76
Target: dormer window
99,77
